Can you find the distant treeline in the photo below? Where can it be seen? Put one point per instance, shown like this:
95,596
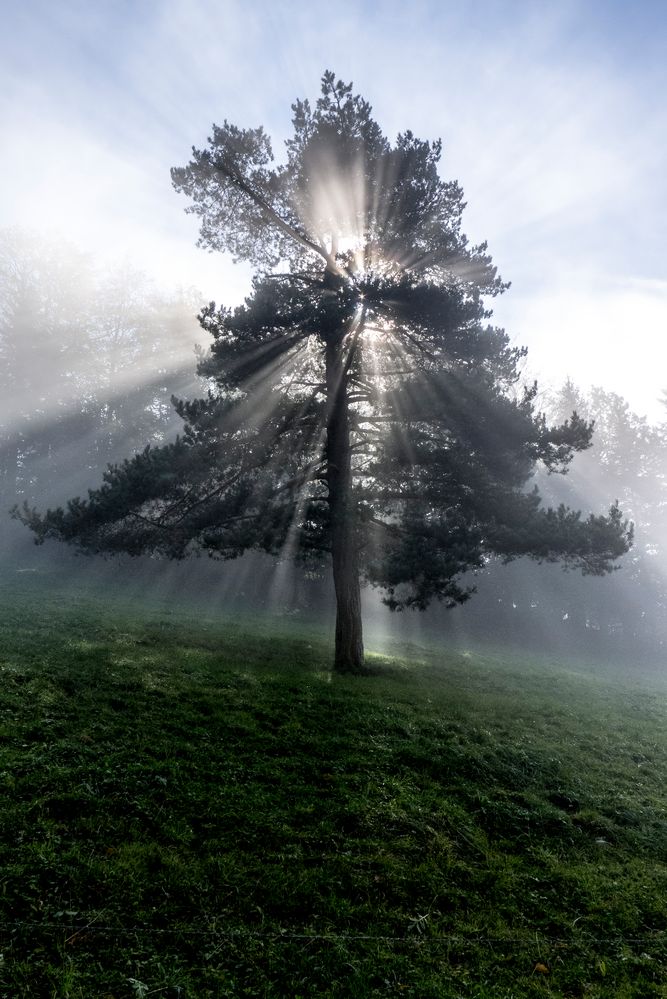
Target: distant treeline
89,361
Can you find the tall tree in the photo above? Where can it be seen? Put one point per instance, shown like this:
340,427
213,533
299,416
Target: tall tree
361,405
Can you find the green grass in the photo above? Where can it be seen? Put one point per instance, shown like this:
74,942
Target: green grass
196,808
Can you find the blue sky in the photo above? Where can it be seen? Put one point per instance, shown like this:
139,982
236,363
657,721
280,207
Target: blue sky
553,118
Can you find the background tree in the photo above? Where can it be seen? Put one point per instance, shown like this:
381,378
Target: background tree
89,359
537,605
43,343
626,460
361,405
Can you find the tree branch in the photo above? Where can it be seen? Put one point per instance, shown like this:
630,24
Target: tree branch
272,215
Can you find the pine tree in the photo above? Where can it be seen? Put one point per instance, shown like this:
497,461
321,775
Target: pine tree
362,407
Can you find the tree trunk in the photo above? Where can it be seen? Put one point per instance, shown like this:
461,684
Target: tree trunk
349,654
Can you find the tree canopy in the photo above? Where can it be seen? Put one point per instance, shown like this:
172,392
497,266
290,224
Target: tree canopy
362,407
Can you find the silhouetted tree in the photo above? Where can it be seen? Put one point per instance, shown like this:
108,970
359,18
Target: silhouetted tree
361,405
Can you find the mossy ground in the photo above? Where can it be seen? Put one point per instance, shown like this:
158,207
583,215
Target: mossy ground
199,808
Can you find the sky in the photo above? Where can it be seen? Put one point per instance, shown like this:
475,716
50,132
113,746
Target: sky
552,116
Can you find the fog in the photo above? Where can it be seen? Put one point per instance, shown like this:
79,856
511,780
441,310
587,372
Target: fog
90,359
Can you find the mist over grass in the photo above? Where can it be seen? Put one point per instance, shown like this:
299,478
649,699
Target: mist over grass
195,806
522,608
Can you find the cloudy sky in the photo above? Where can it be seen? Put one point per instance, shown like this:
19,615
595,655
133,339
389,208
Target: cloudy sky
553,118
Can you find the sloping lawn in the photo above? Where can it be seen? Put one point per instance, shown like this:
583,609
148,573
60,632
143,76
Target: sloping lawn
195,808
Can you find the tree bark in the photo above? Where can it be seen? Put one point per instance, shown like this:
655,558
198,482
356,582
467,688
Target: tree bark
349,652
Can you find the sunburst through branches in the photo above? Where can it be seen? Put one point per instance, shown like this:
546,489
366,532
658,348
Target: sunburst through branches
362,410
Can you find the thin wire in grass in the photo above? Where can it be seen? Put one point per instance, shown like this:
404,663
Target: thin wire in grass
415,937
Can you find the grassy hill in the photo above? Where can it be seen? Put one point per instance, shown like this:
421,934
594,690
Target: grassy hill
197,808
